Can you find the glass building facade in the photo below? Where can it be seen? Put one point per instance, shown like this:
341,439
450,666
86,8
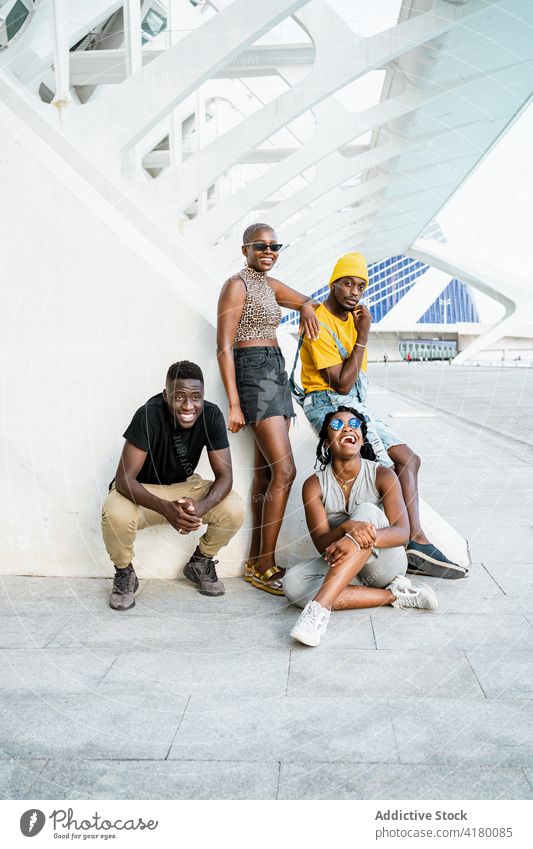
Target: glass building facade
392,278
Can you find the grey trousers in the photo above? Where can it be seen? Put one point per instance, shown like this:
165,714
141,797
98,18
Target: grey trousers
303,581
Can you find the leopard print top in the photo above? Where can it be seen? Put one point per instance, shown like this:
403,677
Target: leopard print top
261,314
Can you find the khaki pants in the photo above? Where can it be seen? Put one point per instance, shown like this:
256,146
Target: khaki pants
121,518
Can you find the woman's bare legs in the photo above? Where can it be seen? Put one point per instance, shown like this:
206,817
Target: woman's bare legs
358,598
259,490
337,594
272,439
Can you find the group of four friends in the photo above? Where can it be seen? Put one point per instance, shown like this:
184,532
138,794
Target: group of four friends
361,504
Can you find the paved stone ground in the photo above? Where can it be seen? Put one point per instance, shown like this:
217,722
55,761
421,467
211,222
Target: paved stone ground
188,697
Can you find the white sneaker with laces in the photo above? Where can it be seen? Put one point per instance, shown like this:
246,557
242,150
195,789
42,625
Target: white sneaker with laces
312,624
410,595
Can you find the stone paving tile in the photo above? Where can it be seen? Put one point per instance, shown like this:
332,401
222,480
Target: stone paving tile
332,729
349,629
87,726
53,670
477,593
504,674
462,732
224,672
38,588
405,781
177,631
161,597
462,631
516,547
516,581
17,777
435,674
183,630
41,596
149,779
31,631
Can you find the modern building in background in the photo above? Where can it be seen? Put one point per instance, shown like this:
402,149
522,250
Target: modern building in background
389,281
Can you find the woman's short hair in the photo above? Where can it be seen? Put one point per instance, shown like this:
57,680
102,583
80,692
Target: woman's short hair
323,453
251,230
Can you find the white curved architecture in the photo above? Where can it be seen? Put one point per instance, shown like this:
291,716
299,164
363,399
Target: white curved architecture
138,139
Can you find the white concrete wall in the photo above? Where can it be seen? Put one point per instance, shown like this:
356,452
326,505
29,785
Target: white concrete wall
87,332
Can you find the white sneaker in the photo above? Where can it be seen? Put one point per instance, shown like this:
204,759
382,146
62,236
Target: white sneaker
313,622
410,595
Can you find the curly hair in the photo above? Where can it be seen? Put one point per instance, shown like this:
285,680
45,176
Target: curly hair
323,453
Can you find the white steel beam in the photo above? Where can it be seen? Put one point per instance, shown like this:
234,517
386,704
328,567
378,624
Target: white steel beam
323,248
334,170
329,114
62,97
339,60
132,36
108,67
485,277
313,244
124,114
32,53
161,158
332,203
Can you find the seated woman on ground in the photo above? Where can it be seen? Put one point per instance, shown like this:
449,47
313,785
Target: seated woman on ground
357,519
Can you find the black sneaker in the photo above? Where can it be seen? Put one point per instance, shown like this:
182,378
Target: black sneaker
125,585
201,571
425,559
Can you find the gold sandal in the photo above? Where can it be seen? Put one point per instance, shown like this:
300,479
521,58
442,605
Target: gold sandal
248,572
260,580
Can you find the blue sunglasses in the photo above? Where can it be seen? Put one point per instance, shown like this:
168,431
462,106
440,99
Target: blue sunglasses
338,424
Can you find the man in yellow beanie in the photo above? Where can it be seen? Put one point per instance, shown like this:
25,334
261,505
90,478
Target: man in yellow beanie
336,362
334,374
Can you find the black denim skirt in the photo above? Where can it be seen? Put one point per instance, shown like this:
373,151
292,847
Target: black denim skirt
262,383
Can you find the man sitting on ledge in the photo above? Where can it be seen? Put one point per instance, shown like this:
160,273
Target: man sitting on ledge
155,483
334,374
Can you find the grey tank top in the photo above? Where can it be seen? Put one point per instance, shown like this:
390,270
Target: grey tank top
363,491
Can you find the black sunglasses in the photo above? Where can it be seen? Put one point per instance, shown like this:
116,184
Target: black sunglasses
275,247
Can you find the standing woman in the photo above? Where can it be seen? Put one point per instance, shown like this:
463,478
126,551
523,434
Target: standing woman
254,376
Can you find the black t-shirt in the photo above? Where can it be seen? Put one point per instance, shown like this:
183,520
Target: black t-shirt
173,452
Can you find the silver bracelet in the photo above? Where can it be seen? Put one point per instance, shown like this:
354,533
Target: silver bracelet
358,345
354,541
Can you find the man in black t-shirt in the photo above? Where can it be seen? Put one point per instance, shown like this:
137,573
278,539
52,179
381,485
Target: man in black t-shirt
155,483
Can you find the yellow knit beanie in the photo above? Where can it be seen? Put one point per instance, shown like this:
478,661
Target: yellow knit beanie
350,265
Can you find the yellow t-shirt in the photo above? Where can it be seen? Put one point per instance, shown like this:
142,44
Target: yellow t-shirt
324,352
